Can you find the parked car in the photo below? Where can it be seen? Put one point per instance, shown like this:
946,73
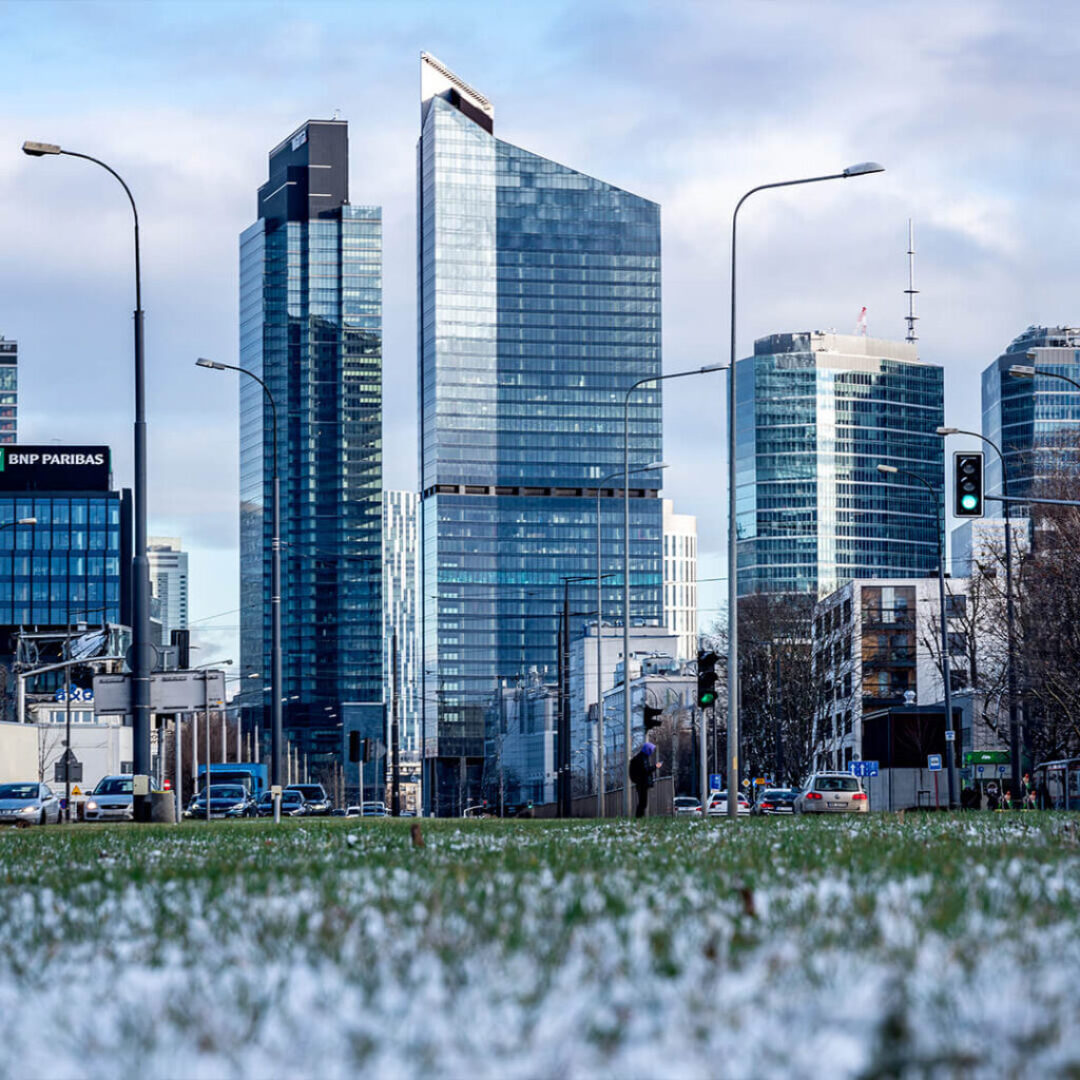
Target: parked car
226,801
31,803
339,812
112,799
352,811
775,801
479,810
292,804
686,805
374,809
316,802
718,801
832,793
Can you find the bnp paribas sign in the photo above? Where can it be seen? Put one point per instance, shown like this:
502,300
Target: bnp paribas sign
54,468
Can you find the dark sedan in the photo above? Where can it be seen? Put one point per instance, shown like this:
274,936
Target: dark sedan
776,801
226,801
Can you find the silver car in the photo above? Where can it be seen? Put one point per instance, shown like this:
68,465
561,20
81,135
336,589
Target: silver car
30,804
832,793
686,806
111,800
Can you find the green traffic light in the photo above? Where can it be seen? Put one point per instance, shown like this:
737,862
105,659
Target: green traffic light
969,502
706,699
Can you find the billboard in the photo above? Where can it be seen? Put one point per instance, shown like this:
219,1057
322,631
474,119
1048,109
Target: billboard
54,468
170,692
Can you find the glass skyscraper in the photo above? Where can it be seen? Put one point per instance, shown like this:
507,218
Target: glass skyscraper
1034,421
539,306
401,587
817,413
311,327
9,391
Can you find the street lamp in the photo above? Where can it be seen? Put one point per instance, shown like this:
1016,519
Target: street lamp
651,467
863,168
140,563
1029,371
627,719
276,678
1010,622
946,660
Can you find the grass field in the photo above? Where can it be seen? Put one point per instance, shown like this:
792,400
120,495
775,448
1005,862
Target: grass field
870,948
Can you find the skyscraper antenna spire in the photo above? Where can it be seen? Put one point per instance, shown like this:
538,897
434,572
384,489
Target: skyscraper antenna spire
911,291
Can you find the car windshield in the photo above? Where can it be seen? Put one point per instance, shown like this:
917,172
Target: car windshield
685,800
309,791
836,783
220,791
114,785
780,795
292,796
18,791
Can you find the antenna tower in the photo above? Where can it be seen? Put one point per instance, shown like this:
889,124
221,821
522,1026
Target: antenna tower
911,291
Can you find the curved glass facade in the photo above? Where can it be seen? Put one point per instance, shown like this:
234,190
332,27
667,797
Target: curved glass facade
539,307
817,414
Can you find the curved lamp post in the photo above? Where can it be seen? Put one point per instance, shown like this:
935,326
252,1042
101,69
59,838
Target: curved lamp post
864,168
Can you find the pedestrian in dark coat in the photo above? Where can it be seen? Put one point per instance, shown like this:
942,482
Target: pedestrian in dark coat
643,775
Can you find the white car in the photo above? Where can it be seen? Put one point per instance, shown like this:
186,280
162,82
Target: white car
718,801
832,793
686,806
111,800
30,804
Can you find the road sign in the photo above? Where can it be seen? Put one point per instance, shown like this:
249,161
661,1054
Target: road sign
170,692
980,769
1002,770
67,768
933,762
950,735
746,783
863,768
761,781
716,782
75,790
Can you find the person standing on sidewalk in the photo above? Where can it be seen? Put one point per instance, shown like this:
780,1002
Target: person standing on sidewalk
643,775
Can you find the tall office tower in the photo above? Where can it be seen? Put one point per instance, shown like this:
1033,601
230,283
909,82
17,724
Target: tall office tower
818,413
401,587
680,579
311,327
169,582
539,307
1034,421
9,391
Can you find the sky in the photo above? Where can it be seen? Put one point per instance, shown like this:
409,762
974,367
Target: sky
970,106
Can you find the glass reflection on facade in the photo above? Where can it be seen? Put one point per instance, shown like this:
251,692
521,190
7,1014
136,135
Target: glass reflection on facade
311,327
817,414
539,306
9,391
1033,421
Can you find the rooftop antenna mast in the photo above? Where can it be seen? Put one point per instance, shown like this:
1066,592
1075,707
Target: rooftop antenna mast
911,291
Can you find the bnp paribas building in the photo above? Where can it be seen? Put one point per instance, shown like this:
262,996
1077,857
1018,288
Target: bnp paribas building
539,306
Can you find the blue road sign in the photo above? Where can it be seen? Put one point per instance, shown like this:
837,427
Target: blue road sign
933,762
863,768
716,781
980,769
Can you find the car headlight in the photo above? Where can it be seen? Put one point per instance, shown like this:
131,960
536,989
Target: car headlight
91,805
237,806
31,809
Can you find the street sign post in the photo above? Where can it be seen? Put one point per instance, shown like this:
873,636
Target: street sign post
716,782
933,762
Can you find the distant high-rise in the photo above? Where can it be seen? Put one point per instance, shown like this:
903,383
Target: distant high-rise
311,327
680,579
401,587
1034,421
169,582
9,391
818,413
539,306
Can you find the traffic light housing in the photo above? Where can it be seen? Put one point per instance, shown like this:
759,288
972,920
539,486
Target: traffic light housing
652,717
706,678
968,484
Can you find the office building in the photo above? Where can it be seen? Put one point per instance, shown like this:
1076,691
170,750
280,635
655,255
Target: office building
401,587
539,307
680,579
311,328
1035,421
169,583
9,391
817,413
978,545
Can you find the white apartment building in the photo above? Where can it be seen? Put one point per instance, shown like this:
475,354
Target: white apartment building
401,597
680,579
169,582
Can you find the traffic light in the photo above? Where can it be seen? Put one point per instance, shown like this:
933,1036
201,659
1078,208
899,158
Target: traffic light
706,678
968,484
354,747
652,717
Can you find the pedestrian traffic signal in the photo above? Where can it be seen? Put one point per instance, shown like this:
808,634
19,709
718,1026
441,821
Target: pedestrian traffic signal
706,678
652,717
968,484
